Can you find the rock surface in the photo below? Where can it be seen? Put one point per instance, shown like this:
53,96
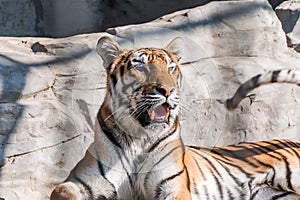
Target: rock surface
50,89
48,104
289,14
55,18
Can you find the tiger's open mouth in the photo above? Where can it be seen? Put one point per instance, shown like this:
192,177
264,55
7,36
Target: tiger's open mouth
157,114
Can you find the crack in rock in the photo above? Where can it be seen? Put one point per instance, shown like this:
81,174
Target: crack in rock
43,148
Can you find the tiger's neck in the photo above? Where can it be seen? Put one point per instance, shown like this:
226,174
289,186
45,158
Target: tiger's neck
121,151
124,139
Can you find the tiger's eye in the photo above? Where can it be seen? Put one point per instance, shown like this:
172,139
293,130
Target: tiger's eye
138,65
140,68
171,68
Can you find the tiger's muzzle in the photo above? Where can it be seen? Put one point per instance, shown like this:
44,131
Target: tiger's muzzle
159,104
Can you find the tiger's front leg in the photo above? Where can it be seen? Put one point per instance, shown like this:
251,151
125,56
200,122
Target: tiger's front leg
85,183
68,191
72,191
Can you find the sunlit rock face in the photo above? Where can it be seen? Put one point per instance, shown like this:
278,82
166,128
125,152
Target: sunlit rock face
51,89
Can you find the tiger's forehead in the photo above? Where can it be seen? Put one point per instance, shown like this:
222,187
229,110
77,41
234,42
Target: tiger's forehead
147,55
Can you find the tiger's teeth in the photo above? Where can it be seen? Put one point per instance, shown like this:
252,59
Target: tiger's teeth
167,115
152,115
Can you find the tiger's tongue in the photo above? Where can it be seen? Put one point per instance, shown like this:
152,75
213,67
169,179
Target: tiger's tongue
159,113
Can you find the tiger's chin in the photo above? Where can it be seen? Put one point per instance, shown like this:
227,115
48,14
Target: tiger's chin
157,126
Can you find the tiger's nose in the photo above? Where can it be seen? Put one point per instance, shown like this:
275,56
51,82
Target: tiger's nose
164,90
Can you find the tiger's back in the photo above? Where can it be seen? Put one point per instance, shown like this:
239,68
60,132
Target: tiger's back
260,170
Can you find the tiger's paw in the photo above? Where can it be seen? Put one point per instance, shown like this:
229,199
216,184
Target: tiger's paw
66,191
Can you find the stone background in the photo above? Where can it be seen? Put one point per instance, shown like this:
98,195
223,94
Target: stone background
51,89
61,18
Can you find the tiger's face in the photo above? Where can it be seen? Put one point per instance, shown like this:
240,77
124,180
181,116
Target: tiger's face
142,85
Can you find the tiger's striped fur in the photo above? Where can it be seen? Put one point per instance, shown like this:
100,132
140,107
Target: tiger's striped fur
138,152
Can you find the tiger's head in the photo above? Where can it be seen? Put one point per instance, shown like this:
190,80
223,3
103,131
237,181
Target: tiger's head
142,85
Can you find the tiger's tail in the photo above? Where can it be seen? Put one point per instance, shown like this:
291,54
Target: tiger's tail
278,76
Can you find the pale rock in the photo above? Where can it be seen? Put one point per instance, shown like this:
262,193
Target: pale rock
62,18
289,12
48,105
49,99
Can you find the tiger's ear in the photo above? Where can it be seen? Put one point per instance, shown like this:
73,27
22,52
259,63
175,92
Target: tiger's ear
108,49
176,47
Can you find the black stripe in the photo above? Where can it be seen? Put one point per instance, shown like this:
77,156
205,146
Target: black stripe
198,165
283,147
157,142
236,180
165,156
229,163
254,195
245,158
194,187
123,165
212,170
281,195
125,59
100,165
108,132
229,194
113,132
213,166
288,174
206,192
276,145
102,172
143,53
187,175
280,145
86,187
216,179
280,188
273,177
266,150
114,79
122,70
239,154
243,194
292,146
101,197
160,185
101,169
263,163
160,160
129,65
275,75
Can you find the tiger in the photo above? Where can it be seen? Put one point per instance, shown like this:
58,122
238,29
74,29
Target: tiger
138,152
